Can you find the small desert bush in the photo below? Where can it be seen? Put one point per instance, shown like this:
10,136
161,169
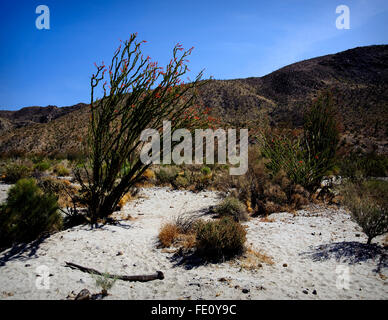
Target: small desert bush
264,192
206,170
220,239
27,213
358,165
104,281
168,234
16,171
42,166
63,189
368,204
232,207
167,174
60,170
179,232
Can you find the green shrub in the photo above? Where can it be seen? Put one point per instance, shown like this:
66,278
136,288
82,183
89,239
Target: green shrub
167,174
306,159
357,165
181,182
61,170
15,171
232,207
42,166
264,192
368,203
27,213
220,239
206,170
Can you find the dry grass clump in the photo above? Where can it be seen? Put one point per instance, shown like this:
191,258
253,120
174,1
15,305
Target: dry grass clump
168,234
253,259
149,174
181,232
60,170
124,200
63,189
232,207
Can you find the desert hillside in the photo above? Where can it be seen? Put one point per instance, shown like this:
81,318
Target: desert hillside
358,78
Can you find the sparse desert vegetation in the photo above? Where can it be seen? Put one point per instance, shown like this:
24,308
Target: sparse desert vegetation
308,201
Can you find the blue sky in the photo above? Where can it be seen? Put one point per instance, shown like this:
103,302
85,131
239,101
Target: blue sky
232,39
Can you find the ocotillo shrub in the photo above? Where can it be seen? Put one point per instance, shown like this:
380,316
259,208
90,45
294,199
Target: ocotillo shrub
306,158
137,95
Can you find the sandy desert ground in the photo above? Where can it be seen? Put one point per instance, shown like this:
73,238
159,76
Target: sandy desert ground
318,253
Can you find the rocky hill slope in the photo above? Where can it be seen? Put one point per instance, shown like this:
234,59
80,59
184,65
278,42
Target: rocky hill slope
358,78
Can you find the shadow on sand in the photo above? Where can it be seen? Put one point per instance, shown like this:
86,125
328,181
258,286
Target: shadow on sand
22,251
350,252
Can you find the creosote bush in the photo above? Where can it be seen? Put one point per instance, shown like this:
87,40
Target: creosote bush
368,204
27,213
220,239
16,171
42,165
232,207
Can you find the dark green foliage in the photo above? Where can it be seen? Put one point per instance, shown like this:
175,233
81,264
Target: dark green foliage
307,158
206,170
27,213
321,136
357,165
42,166
220,239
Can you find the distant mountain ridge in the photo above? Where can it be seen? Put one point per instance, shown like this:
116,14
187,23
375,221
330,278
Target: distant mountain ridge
358,77
35,114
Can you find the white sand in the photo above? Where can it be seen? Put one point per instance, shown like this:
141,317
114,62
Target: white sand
291,240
